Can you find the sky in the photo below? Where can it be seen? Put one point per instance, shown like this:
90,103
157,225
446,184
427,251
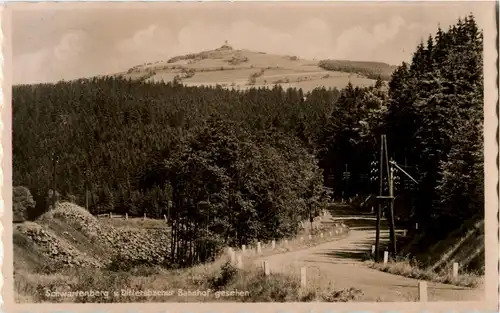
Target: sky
68,41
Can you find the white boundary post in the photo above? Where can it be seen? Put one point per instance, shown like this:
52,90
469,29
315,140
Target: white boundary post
455,269
422,291
266,268
303,277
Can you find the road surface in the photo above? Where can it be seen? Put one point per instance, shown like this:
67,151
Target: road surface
340,263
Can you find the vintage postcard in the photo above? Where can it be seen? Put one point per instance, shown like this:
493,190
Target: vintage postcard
250,157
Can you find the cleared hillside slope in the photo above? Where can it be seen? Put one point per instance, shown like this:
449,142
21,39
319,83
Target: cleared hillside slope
69,236
243,69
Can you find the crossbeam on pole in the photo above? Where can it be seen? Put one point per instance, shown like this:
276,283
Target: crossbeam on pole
404,172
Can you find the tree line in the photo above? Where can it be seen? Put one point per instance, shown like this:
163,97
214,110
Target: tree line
233,167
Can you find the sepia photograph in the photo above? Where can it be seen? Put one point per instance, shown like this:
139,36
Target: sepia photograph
251,152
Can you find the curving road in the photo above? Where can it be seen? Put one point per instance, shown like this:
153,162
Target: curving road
340,263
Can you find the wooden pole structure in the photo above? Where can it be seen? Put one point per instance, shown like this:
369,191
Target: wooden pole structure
379,209
391,203
391,207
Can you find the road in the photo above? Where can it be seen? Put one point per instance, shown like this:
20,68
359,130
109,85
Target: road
340,263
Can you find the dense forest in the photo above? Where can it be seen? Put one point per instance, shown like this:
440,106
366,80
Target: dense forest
372,70
231,166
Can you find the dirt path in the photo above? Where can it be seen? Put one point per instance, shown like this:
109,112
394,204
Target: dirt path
340,263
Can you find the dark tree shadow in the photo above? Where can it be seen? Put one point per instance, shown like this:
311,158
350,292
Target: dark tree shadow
359,255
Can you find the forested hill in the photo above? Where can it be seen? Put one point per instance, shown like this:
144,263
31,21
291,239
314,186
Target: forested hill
260,155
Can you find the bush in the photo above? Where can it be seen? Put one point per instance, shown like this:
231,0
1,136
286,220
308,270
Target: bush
22,203
226,275
236,60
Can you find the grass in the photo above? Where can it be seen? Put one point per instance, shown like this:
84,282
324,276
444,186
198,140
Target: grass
216,282
412,269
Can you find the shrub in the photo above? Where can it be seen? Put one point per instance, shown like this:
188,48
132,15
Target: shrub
235,60
344,295
226,275
22,203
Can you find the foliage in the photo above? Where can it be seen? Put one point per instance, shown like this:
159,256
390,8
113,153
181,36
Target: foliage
435,119
22,203
138,147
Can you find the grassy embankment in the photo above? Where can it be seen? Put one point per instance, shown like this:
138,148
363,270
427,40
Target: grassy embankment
464,246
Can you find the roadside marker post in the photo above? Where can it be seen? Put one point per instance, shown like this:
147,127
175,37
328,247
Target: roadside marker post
386,257
422,291
303,277
266,268
232,256
455,269
239,263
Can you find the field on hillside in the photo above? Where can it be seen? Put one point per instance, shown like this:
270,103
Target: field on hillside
243,69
